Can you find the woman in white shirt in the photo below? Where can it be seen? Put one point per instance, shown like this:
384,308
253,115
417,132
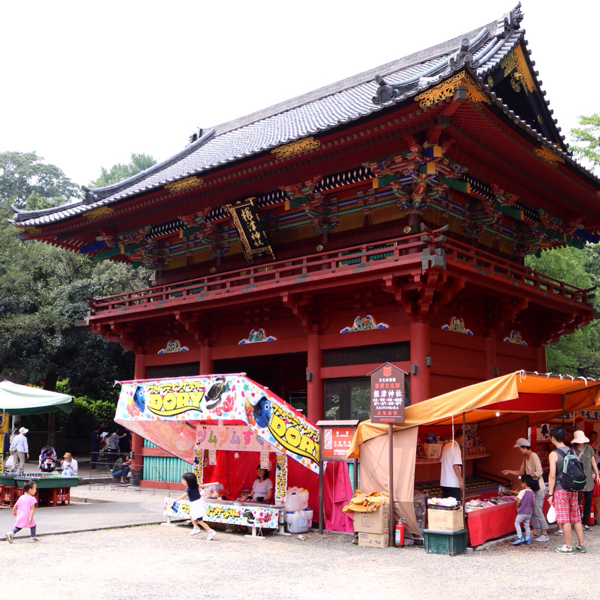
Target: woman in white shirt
262,488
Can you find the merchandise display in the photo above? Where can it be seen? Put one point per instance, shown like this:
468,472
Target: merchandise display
477,504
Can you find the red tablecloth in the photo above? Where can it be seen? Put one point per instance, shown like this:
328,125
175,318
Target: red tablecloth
492,522
495,521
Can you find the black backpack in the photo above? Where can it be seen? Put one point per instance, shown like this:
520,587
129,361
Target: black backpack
572,477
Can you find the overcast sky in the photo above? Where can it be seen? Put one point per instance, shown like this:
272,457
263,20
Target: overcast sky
85,84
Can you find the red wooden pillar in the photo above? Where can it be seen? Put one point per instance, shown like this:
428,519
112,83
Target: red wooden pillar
419,356
541,359
314,383
490,356
207,365
137,441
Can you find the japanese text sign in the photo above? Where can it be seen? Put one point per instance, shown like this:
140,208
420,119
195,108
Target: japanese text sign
387,394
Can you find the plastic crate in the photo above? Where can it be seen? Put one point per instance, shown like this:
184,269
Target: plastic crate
56,496
445,542
9,495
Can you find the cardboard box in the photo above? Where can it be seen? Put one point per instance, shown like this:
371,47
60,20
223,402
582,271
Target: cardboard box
445,520
374,540
377,522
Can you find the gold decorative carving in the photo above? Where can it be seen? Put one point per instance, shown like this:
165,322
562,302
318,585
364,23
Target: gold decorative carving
548,156
296,147
99,213
490,81
598,193
28,228
447,89
184,184
515,63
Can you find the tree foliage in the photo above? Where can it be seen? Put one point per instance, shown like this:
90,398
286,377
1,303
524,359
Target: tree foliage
588,136
44,292
119,172
24,175
577,354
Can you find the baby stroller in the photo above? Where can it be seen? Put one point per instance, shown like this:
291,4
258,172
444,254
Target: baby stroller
48,459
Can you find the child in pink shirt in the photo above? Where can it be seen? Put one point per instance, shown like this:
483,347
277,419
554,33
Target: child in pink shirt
23,509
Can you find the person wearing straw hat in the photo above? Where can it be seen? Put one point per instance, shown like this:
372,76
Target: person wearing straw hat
533,466
585,453
69,465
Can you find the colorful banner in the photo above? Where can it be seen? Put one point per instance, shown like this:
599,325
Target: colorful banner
281,473
198,468
230,437
232,514
236,514
169,413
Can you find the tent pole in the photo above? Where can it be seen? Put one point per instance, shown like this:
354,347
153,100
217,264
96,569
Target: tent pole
464,468
564,397
321,503
391,481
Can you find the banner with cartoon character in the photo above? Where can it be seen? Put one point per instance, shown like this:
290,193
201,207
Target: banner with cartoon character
232,514
168,412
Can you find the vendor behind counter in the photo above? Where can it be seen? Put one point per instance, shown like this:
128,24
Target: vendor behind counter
262,488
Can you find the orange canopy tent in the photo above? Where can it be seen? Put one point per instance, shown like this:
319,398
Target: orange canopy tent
521,398
541,397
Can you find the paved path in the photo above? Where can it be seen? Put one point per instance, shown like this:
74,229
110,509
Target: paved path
95,507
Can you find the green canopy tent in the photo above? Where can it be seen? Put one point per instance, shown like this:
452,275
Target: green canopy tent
24,400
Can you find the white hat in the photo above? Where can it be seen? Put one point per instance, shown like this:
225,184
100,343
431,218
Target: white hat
23,430
522,443
579,437
103,434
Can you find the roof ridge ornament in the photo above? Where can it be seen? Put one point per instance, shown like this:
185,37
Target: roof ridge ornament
512,21
463,56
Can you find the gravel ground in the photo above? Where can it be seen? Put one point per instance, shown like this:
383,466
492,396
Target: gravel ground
158,562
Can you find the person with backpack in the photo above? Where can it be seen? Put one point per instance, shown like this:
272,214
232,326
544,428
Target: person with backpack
565,480
586,455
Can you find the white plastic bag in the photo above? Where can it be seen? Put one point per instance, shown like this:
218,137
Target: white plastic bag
551,516
9,463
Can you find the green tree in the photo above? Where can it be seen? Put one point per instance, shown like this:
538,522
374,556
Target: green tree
588,135
119,172
23,174
43,293
577,354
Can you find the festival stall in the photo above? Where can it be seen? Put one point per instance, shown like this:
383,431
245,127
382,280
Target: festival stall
18,399
224,425
500,411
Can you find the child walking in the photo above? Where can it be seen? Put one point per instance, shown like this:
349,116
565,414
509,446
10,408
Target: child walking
525,501
197,504
23,509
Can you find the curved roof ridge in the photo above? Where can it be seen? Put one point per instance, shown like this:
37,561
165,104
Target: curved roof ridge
95,194
416,58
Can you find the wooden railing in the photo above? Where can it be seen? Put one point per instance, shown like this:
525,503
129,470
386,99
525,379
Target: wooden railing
493,266
366,257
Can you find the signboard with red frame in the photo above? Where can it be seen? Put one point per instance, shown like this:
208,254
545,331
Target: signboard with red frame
336,442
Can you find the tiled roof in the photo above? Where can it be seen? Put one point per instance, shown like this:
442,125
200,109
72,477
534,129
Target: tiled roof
306,115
